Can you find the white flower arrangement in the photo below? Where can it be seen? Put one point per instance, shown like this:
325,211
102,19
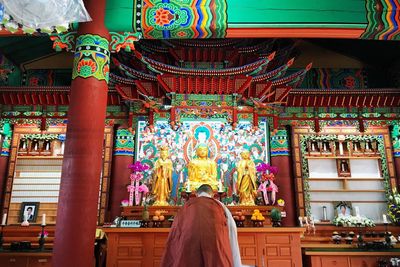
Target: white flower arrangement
353,221
394,206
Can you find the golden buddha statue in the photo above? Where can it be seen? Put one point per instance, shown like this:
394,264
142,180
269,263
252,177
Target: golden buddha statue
202,170
246,183
162,178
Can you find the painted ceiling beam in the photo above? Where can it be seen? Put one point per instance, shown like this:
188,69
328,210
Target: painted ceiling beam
193,19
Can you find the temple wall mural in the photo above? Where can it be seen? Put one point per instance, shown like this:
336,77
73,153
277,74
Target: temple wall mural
225,145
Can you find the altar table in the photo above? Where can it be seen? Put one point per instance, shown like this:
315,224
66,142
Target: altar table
264,246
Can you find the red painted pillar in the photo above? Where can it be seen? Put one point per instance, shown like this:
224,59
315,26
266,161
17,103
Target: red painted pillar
280,157
80,178
4,156
123,156
3,180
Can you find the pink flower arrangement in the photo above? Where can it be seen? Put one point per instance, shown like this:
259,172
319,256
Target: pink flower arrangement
135,187
265,167
138,167
143,189
267,185
136,176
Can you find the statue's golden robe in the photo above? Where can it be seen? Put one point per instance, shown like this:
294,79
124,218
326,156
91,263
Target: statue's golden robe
202,171
162,182
246,183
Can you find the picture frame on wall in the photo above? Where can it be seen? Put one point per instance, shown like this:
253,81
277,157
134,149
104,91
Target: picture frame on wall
29,210
343,208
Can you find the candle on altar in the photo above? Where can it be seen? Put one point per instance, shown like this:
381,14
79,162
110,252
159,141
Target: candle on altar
312,222
301,221
188,186
324,213
220,186
43,219
341,148
3,221
384,218
306,220
357,209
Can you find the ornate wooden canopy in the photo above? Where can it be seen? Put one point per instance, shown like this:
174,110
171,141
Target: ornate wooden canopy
252,69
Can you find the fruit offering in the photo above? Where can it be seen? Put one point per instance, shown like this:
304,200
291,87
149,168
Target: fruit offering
158,216
257,216
239,216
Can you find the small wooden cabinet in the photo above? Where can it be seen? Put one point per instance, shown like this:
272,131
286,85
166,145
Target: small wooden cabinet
22,259
33,258
280,250
346,258
272,247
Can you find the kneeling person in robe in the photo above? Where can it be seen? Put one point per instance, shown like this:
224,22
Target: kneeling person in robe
203,234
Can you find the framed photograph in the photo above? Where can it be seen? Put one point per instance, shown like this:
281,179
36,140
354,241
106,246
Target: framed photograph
342,209
29,210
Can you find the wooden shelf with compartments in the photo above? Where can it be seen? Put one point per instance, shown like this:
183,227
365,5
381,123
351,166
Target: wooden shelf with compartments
341,149
341,164
37,147
34,174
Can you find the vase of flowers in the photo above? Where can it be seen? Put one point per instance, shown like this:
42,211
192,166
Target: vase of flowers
42,236
45,234
267,186
394,206
137,188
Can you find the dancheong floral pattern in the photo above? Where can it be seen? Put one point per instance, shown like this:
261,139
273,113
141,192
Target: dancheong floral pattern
164,19
92,57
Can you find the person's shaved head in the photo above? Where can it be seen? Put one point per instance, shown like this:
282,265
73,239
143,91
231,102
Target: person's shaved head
205,188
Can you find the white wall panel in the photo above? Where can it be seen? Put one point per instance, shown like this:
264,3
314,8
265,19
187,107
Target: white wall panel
320,168
365,168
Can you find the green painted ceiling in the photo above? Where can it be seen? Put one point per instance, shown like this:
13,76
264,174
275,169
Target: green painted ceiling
23,49
296,13
381,56
264,13
119,15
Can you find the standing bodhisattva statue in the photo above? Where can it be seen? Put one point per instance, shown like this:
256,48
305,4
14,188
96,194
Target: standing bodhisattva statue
246,182
162,178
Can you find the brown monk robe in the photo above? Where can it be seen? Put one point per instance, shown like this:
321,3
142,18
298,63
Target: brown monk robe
199,236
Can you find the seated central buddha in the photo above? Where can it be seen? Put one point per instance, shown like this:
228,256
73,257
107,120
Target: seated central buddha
202,170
